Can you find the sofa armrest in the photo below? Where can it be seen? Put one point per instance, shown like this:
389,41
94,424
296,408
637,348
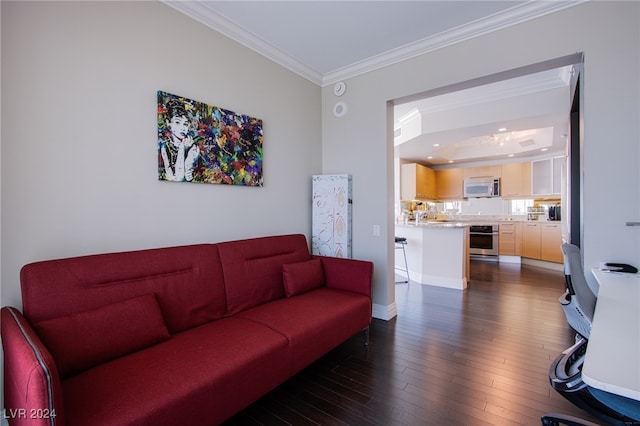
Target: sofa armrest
32,389
347,274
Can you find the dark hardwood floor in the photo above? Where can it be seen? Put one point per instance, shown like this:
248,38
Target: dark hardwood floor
473,357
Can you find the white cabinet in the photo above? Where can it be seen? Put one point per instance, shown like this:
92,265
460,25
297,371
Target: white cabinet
331,215
546,176
558,167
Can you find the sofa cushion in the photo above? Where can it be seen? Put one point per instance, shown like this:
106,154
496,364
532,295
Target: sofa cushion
187,281
301,277
314,322
78,342
253,268
199,377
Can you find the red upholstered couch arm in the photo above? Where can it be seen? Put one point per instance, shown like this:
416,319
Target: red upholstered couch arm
347,274
32,390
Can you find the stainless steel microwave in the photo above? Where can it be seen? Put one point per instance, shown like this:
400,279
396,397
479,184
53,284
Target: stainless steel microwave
481,187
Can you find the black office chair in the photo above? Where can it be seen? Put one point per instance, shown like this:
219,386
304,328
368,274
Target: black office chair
554,419
565,372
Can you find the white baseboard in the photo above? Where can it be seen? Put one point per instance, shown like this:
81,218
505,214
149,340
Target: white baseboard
509,259
446,282
384,312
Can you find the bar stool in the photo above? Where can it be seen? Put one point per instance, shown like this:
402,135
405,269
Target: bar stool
401,242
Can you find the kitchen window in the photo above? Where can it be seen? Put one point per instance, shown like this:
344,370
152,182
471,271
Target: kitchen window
452,205
520,206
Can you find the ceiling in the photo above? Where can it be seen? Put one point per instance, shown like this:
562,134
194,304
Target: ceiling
330,41
517,119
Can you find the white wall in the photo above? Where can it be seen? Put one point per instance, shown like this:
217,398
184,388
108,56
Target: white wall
608,34
79,158
78,136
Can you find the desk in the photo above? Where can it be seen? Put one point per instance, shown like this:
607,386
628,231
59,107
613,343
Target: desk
612,361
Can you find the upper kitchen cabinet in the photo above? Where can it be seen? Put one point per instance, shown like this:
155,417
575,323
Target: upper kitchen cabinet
516,180
481,171
449,184
417,182
546,176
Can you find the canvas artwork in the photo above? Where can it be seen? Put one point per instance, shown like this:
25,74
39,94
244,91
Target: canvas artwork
203,143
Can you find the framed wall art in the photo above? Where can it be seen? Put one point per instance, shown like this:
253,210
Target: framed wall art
202,143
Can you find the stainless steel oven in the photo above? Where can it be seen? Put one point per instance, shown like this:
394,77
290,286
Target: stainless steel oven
483,240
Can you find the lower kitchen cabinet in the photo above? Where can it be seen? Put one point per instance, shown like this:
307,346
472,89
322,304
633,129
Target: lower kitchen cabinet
531,240
510,239
542,241
551,242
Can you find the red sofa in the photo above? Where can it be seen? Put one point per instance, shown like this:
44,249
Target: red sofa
184,335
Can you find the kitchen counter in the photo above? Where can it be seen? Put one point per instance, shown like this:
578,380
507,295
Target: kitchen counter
437,253
434,224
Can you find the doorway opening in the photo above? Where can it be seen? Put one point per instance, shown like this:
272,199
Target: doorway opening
524,115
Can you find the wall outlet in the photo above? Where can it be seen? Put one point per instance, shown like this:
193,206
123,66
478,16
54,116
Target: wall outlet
376,230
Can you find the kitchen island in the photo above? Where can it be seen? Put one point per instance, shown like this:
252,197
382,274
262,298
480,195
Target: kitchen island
437,253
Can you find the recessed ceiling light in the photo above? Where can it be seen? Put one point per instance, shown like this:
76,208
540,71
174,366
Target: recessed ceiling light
436,144
544,149
502,129
510,155
429,157
450,161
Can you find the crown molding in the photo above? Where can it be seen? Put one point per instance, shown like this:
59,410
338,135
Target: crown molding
516,15
218,22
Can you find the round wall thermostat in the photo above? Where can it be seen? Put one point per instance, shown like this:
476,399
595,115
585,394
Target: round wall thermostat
340,109
339,88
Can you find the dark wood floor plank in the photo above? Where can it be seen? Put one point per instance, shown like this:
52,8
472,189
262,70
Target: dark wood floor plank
475,357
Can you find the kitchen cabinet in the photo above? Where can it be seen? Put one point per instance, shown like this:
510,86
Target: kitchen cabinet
531,240
557,168
515,180
547,176
510,239
550,242
481,171
449,184
542,241
526,179
417,182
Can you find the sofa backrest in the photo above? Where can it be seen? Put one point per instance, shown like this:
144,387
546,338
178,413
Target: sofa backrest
253,268
187,282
